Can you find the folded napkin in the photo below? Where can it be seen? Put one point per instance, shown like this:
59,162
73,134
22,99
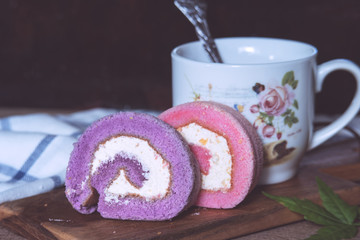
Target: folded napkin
35,148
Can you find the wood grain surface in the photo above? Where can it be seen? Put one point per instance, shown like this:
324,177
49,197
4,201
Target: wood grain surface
50,216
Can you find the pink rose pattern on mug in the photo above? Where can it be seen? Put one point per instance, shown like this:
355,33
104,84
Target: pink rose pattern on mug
275,102
276,113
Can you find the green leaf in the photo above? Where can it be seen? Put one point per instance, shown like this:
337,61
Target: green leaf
263,115
295,120
288,78
287,112
335,205
271,118
288,121
296,104
335,232
311,211
294,84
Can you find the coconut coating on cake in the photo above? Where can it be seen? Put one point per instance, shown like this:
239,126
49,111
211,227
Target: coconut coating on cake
227,147
132,166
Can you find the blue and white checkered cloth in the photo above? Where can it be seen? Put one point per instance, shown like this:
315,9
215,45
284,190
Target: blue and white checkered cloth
35,148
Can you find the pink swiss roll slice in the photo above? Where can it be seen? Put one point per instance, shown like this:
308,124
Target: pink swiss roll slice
228,149
132,166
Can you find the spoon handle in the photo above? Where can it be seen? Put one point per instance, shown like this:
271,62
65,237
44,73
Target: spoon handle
195,11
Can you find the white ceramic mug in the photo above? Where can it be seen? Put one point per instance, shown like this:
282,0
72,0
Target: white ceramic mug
272,82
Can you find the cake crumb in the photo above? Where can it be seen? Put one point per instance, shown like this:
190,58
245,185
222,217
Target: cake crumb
158,233
195,214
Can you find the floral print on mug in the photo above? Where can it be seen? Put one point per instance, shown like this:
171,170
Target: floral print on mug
275,109
276,105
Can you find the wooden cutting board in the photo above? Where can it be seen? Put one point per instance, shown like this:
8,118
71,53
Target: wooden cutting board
50,216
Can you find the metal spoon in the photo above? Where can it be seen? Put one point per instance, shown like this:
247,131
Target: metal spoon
195,11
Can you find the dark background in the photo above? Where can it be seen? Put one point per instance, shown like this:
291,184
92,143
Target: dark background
116,53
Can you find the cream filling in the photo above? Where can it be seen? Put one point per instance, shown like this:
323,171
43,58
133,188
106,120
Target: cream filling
157,170
219,177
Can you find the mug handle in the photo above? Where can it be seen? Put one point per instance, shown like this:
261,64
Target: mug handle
330,130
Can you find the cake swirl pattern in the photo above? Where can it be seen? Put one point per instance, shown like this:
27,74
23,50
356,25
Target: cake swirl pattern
132,166
217,164
142,171
227,147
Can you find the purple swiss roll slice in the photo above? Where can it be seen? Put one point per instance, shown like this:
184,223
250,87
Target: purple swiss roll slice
132,166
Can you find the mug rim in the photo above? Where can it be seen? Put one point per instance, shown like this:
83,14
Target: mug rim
175,55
